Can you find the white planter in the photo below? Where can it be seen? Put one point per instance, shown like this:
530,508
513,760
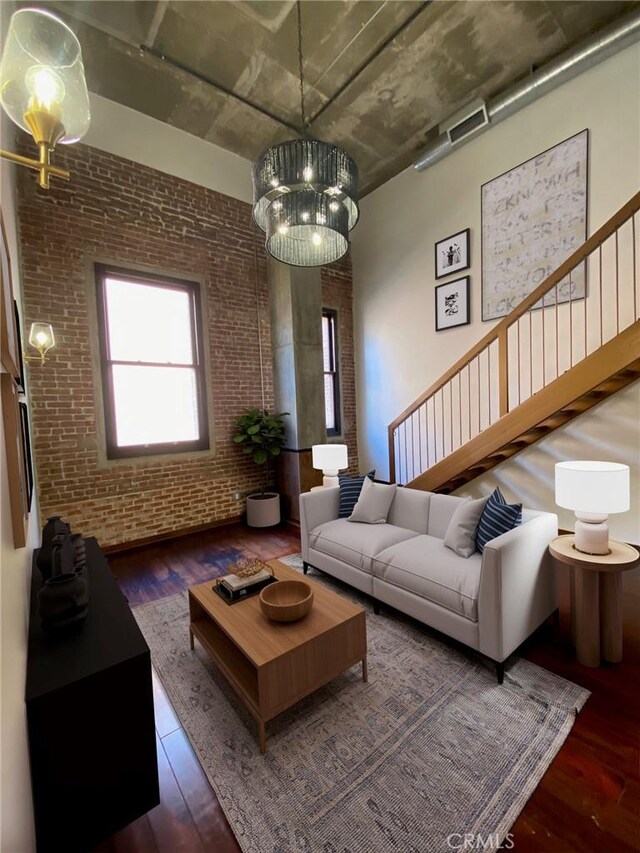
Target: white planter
263,509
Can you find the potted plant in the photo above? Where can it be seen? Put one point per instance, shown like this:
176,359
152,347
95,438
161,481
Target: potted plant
261,436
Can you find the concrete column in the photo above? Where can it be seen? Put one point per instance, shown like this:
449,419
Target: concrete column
296,336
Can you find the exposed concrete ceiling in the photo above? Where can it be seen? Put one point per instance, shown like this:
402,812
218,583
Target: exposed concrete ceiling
380,95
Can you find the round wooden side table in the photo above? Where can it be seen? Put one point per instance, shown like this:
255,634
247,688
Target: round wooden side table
596,597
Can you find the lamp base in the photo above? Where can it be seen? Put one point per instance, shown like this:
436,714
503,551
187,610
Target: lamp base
592,537
330,478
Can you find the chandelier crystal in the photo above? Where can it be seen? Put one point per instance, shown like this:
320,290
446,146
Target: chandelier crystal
305,195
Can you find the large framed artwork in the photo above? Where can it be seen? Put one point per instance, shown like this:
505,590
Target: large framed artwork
9,352
14,460
533,217
452,304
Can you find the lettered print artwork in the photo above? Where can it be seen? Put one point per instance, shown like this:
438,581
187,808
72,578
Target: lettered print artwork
533,218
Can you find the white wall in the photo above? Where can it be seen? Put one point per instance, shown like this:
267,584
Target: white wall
16,814
610,431
398,353
124,132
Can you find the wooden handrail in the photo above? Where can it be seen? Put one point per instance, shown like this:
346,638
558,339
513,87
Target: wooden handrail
501,328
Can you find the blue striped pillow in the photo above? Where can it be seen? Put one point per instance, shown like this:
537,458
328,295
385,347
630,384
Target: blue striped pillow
350,488
497,517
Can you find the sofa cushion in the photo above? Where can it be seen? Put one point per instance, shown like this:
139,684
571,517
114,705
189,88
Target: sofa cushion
498,517
441,509
424,566
374,502
355,544
410,509
461,532
350,488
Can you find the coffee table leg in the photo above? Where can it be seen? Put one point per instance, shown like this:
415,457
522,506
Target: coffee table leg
262,736
365,671
611,616
587,617
191,646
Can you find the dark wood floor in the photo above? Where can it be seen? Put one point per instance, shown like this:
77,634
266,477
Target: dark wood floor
588,801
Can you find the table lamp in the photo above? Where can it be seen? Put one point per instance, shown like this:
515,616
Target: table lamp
593,490
329,458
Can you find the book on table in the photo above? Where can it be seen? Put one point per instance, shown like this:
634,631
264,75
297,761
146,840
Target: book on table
235,583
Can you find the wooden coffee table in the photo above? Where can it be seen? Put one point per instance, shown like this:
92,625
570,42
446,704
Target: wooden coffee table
272,665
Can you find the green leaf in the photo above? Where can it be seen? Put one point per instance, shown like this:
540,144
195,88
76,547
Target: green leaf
260,434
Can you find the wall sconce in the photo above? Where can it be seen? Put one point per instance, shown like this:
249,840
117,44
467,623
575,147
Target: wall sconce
43,88
41,338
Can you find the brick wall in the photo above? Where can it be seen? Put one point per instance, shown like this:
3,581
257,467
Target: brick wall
123,212
336,283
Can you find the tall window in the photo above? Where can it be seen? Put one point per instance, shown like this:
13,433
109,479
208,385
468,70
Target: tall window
152,363
331,377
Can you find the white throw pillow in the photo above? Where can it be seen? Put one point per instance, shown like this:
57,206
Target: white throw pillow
461,532
374,503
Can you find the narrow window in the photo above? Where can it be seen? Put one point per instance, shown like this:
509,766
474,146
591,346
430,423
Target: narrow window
151,354
331,377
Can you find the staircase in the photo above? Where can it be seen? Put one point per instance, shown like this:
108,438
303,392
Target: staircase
573,342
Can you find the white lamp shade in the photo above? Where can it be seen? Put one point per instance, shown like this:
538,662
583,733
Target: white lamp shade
42,70
593,487
330,457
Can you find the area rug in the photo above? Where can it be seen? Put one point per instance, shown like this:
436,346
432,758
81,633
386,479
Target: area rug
431,749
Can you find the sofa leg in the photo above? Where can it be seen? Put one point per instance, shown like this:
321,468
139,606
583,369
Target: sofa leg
376,606
500,671
305,567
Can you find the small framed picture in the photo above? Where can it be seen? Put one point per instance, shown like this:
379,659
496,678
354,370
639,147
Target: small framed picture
20,377
26,452
452,304
452,254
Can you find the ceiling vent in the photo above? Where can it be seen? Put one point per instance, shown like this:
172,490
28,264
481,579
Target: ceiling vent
466,121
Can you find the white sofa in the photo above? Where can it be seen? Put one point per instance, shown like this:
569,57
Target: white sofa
491,602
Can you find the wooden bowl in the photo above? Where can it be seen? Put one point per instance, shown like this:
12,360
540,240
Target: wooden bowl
286,601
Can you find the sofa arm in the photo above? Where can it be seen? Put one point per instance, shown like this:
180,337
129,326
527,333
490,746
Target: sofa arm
316,508
518,588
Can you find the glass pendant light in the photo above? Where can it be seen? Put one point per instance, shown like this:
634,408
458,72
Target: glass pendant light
42,85
305,195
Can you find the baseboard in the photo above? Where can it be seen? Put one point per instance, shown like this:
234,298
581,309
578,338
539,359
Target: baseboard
293,526
172,534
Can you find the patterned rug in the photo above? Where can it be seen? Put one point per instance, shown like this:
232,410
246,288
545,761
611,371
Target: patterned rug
430,749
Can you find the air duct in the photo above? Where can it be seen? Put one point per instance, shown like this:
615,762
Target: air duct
466,121
568,65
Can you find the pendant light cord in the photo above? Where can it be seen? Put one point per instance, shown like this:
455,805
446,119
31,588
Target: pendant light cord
302,112
255,280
